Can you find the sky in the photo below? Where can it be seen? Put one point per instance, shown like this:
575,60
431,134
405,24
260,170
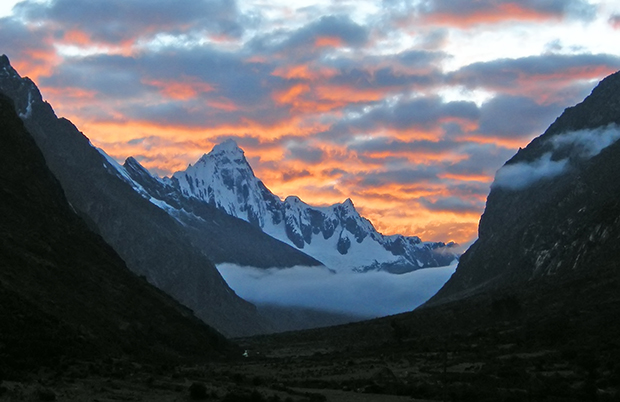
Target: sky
408,107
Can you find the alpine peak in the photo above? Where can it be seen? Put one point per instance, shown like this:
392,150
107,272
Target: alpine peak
229,147
336,235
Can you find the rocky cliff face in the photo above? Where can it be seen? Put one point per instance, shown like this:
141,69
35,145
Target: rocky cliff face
63,290
554,208
150,241
337,235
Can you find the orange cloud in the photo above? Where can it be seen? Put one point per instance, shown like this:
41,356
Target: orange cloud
184,89
222,104
340,96
291,95
327,41
491,15
466,177
36,63
76,37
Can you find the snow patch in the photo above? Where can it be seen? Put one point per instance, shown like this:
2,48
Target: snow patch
28,112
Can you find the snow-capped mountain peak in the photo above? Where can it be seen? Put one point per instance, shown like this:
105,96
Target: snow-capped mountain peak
228,147
224,178
336,235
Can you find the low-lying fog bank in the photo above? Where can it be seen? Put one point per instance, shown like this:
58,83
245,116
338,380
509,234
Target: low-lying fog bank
370,294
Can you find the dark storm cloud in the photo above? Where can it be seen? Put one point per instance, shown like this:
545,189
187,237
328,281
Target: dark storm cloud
515,116
452,204
512,73
115,21
529,9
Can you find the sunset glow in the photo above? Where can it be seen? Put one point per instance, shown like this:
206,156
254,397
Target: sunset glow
407,108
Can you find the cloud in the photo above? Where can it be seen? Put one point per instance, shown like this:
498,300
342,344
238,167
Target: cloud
477,161
423,113
522,75
515,116
353,85
388,145
305,153
371,294
452,204
586,143
614,21
571,146
468,12
410,175
520,175
117,21
31,51
295,174
304,43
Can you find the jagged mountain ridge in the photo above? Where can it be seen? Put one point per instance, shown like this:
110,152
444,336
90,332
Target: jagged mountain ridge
63,290
553,211
148,239
222,237
336,235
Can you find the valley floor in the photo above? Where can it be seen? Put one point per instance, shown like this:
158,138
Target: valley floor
502,362
562,344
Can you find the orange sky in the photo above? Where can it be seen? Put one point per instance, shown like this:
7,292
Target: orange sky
407,110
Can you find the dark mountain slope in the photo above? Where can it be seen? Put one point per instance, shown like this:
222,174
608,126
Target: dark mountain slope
63,290
565,220
150,241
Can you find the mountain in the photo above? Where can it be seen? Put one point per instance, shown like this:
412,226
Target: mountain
335,235
222,237
63,290
152,243
553,213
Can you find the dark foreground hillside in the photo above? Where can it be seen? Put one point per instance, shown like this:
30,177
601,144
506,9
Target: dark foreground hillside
64,293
